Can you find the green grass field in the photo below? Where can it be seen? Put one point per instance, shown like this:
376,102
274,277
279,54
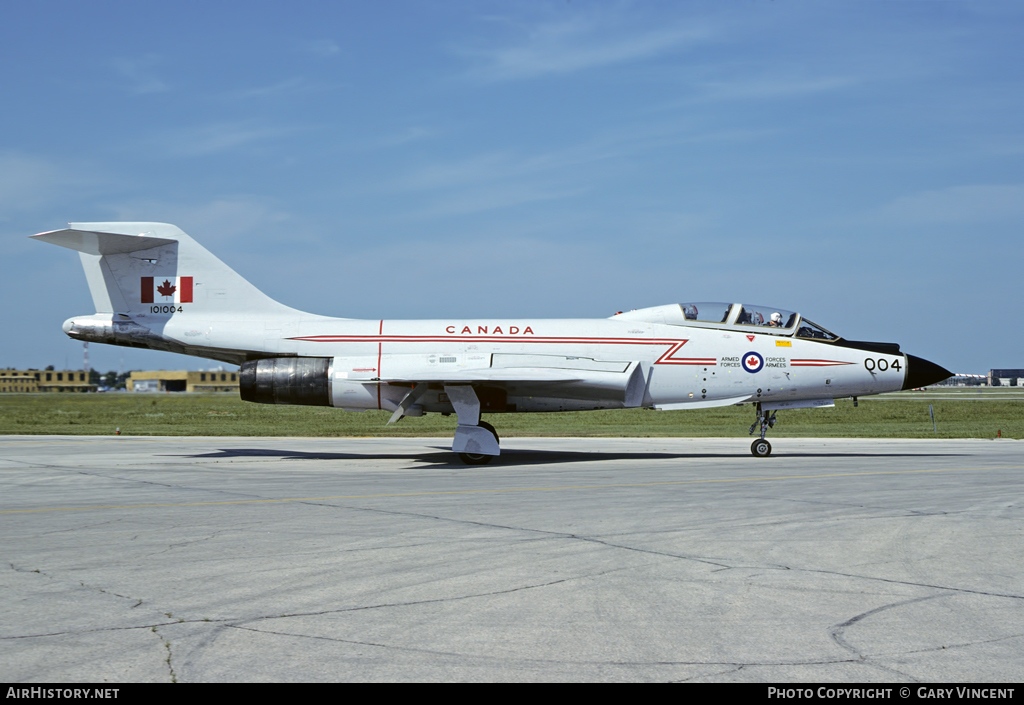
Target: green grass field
958,414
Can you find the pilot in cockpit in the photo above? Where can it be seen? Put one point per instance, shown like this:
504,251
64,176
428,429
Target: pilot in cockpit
776,320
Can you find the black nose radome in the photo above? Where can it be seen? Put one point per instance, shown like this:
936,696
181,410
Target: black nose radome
921,373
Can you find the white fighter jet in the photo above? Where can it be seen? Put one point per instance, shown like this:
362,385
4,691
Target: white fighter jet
155,287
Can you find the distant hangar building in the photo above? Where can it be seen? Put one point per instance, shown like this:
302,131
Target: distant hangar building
28,381
183,381
1006,378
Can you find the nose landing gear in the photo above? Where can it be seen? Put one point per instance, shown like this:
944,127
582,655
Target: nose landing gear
762,448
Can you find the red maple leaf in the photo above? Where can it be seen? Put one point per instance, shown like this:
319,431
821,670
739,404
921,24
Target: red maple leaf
166,289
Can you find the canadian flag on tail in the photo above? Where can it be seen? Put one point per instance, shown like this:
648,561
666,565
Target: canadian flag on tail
176,290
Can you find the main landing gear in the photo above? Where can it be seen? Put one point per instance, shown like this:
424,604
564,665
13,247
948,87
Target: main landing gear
480,458
475,441
762,448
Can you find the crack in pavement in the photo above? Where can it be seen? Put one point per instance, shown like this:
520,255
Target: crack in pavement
894,581
946,647
544,532
77,471
98,630
189,542
413,603
837,633
697,559
168,659
235,621
735,665
184,488
65,581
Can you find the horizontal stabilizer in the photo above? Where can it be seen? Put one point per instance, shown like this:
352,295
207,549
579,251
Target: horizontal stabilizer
96,243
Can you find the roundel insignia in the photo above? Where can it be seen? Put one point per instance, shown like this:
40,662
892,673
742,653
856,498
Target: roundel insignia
753,362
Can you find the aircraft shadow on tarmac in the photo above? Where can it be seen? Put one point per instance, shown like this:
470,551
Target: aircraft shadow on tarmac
517,457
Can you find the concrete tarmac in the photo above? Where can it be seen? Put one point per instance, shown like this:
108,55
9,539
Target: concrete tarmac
326,559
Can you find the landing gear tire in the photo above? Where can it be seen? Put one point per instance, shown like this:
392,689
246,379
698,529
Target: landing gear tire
484,424
479,458
761,448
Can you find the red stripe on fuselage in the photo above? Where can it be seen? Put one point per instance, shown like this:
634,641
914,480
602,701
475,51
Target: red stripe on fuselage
816,363
666,359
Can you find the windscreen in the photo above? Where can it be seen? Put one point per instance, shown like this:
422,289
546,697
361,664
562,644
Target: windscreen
812,330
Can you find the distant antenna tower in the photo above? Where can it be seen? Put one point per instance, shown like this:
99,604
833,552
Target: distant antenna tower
85,357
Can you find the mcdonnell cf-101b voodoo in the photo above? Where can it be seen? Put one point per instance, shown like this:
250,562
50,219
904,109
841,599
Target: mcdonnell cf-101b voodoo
155,287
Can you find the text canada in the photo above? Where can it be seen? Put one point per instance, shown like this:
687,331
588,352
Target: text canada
489,330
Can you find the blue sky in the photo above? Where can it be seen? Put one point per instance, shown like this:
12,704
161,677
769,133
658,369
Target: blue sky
859,162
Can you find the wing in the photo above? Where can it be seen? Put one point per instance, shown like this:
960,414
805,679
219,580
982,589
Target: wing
624,382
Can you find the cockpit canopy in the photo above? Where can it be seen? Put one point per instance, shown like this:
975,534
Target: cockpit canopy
742,317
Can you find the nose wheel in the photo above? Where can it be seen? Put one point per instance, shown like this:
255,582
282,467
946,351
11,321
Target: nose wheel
762,448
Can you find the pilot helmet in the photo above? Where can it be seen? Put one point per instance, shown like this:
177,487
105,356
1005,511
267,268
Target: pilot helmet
776,317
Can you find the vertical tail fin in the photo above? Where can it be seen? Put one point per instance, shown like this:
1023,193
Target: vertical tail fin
138,268
155,287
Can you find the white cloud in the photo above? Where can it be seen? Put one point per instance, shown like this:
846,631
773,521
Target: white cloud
959,204
576,45
290,86
323,48
500,179
495,180
386,139
495,197
493,274
139,75
767,87
403,137
215,221
25,180
212,139
29,182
